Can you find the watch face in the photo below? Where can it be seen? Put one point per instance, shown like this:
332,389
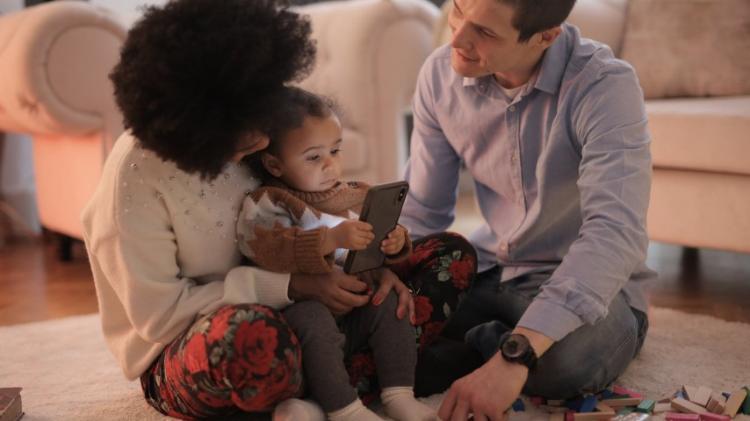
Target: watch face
514,348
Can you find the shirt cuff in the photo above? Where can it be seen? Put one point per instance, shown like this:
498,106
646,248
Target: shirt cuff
550,319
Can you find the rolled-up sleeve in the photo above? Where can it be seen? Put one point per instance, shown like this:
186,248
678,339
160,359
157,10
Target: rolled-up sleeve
614,184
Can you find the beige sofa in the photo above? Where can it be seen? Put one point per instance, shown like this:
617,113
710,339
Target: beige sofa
55,59
701,150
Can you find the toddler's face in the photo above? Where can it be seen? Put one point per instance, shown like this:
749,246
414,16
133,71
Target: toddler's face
309,158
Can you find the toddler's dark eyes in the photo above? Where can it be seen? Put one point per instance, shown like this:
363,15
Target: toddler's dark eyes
335,151
313,158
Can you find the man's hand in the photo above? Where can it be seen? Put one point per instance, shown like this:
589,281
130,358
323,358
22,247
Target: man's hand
388,281
486,393
336,290
394,242
352,235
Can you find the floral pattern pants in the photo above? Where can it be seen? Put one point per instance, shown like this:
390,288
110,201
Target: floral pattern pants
245,358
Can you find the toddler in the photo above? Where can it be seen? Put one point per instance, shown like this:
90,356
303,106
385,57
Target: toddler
304,219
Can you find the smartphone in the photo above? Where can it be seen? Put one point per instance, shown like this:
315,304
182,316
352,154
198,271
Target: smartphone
381,209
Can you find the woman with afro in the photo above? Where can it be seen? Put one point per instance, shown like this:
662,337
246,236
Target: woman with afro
196,84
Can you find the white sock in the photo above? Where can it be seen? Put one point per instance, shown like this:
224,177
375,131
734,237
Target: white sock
400,404
355,411
298,410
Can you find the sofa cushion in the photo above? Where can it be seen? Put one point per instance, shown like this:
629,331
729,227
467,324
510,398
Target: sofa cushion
683,48
708,134
601,20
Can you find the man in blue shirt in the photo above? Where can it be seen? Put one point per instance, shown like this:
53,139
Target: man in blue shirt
552,128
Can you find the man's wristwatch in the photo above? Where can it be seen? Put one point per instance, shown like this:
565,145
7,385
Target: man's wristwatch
515,348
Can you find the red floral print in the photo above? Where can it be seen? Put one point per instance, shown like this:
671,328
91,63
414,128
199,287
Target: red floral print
256,342
422,309
461,271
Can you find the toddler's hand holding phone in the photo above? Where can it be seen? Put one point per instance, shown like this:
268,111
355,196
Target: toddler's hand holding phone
394,242
352,235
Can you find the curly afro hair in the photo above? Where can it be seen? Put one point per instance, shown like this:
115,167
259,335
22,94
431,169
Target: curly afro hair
196,75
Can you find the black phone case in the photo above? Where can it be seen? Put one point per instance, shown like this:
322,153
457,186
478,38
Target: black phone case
381,209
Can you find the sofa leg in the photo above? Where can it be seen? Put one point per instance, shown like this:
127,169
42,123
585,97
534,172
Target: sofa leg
65,248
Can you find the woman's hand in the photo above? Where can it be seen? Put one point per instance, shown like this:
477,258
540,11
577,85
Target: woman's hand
388,281
336,290
394,242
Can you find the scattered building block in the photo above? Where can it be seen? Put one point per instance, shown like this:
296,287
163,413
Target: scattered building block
716,403
592,416
746,404
605,409
707,416
555,402
662,407
619,403
733,404
607,394
677,416
700,396
570,416
625,411
589,404
633,416
688,392
623,391
646,406
518,405
683,405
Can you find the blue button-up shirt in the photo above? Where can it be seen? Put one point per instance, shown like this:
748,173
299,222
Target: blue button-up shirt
562,176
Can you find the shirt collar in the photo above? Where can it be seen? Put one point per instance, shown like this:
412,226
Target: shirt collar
554,61
549,77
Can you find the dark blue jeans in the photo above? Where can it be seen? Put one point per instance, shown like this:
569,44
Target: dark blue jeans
586,361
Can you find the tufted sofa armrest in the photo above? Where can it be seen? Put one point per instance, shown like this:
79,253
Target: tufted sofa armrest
55,60
369,55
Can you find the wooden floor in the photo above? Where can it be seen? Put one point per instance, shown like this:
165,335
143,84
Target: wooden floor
34,285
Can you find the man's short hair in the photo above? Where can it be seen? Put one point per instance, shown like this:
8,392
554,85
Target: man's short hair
533,16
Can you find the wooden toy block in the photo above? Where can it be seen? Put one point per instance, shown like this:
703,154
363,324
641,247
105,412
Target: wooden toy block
619,403
570,416
677,416
701,396
684,405
623,391
646,406
518,405
588,405
707,416
605,409
555,402
746,404
733,404
592,416
556,417
716,403
633,416
688,392
662,407
625,411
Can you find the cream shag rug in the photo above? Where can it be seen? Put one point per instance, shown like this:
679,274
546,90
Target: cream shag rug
68,374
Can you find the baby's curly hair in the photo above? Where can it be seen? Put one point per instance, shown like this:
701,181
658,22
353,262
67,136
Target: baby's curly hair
196,75
292,106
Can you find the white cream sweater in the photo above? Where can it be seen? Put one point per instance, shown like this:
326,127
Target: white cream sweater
163,251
